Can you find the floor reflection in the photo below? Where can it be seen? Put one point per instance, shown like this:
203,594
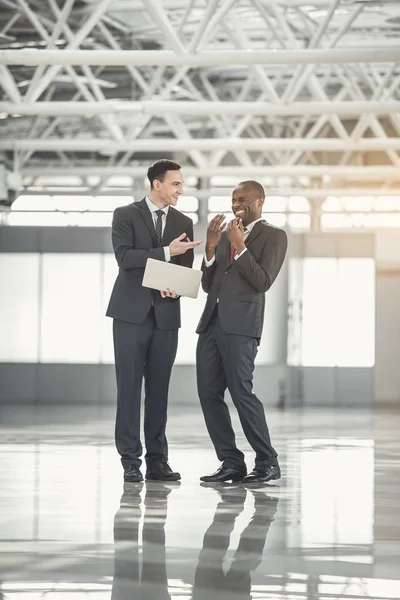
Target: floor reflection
70,529
152,581
140,566
211,579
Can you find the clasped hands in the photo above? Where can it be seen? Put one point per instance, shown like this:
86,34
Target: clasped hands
234,231
179,246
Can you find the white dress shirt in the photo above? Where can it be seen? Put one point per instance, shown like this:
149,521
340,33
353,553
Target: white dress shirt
153,208
247,231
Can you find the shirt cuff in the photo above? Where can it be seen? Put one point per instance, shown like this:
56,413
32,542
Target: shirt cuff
238,255
210,262
167,254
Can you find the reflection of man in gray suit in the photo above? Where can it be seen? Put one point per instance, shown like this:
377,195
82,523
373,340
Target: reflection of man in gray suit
240,265
153,583
211,581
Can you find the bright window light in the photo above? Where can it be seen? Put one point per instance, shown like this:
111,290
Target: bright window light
71,286
120,181
224,181
275,204
336,221
93,219
219,203
338,327
191,181
381,220
188,203
36,219
386,203
357,203
332,204
60,181
298,204
299,221
71,203
277,219
33,203
109,203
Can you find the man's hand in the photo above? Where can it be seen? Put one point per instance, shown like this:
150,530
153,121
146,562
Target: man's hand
178,246
235,233
214,231
168,294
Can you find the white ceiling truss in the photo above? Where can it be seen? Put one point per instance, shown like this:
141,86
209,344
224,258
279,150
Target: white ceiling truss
245,87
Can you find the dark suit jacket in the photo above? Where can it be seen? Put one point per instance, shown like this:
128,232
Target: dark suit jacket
134,241
241,284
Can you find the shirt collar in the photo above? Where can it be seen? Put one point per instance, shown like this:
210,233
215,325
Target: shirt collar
152,207
250,226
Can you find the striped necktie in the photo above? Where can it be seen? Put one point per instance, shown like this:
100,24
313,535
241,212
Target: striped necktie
159,214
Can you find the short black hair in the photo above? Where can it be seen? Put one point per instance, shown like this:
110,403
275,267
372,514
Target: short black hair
158,169
257,187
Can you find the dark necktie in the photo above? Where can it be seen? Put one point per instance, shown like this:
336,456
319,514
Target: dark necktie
159,214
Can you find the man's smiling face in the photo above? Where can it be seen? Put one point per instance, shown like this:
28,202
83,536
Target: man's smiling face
246,204
170,188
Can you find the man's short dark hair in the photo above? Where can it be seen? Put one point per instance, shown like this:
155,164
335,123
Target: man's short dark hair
158,169
257,187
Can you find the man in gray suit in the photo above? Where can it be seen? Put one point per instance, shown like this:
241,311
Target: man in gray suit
239,266
146,322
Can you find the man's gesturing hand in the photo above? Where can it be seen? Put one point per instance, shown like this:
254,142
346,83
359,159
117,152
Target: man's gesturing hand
178,246
215,228
235,233
214,231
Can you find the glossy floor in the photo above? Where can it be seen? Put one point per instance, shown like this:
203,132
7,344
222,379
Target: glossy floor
69,528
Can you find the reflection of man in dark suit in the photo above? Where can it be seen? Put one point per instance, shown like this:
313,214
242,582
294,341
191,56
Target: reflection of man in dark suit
211,581
240,265
146,322
153,583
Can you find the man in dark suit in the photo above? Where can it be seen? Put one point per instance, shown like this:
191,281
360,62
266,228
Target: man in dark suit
146,322
240,265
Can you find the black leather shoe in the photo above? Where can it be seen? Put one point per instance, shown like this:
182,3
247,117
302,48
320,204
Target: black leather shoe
132,473
159,470
225,474
263,474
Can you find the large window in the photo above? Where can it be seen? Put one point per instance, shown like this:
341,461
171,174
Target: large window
19,301
53,311
70,313
76,210
338,320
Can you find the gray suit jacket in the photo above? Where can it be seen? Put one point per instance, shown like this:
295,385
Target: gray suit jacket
134,241
239,286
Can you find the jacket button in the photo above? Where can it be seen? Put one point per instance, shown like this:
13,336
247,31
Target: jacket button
226,273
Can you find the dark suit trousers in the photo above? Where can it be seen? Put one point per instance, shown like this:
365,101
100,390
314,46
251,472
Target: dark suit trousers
227,361
142,351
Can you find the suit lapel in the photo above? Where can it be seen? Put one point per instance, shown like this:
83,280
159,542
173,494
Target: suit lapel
147,218
254,233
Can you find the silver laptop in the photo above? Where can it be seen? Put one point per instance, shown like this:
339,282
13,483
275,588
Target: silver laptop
160,275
